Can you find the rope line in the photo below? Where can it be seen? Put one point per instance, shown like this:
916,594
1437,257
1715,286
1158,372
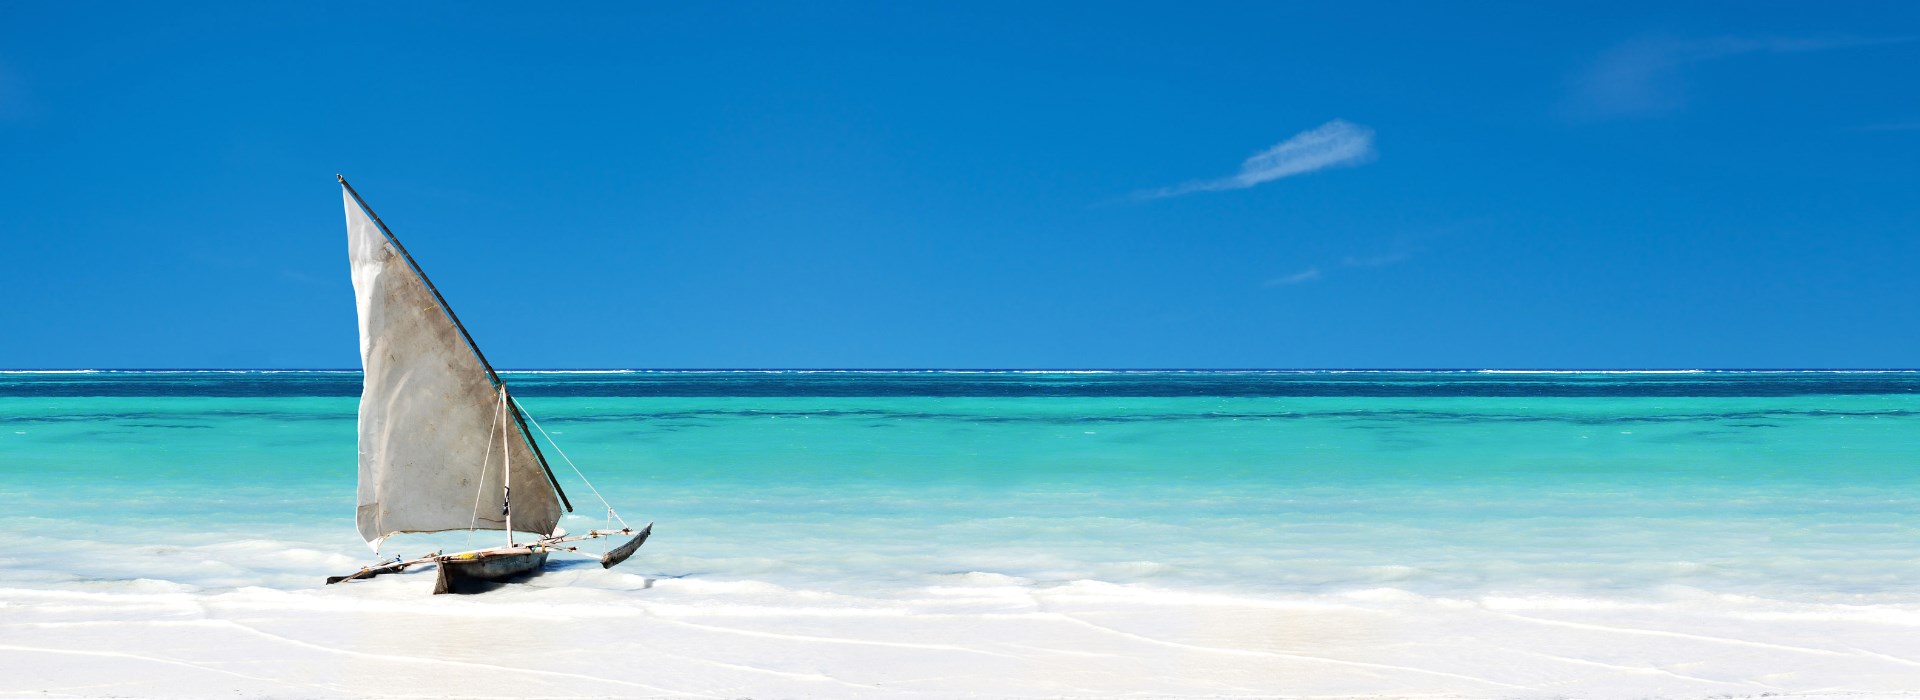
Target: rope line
481,487
569,461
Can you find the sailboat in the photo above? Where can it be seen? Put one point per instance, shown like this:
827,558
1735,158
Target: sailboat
444,446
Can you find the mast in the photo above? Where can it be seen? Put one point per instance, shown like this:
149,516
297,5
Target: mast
492,376
506,473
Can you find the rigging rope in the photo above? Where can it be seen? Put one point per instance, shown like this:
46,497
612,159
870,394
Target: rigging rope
563,456
482,486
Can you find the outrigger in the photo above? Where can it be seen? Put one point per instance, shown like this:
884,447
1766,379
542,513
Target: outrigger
480,569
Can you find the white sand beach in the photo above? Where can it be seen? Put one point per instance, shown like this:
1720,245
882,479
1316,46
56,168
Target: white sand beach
581,632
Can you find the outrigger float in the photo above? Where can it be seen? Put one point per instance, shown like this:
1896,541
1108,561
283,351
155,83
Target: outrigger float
439,430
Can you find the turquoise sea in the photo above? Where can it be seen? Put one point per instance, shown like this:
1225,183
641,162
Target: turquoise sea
1799,486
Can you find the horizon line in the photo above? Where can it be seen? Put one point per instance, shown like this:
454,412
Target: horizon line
1675,370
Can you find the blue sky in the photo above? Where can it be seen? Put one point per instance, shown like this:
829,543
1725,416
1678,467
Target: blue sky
886,185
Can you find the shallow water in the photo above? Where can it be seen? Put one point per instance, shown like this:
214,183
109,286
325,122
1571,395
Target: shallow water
1795,485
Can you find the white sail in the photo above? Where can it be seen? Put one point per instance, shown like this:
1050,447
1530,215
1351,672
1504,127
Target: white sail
431,456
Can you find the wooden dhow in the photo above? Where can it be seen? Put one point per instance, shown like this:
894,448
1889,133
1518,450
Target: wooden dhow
440,431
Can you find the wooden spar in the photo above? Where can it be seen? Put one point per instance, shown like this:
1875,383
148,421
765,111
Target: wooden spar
378,569
612,557
473,346
595,534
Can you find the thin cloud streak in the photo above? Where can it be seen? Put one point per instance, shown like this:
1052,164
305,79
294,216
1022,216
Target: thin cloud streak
1308,275
1335,143
1400,249
1645,77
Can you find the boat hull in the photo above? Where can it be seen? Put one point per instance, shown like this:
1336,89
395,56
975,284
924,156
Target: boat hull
476,572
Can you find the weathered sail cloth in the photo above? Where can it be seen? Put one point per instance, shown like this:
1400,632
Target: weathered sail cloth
430,445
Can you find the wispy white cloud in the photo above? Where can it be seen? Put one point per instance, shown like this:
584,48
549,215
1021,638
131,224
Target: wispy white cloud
1383,253
1646,76
1335,143
1315,274
1308,275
